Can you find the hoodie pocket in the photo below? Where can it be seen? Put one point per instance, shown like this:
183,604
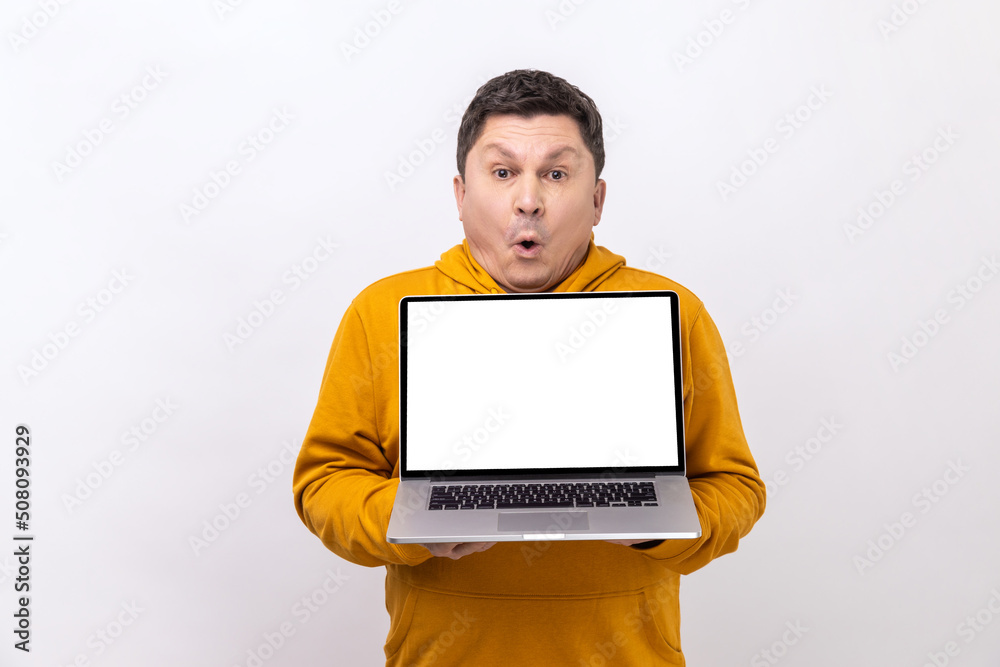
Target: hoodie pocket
400,602
658,615
440,629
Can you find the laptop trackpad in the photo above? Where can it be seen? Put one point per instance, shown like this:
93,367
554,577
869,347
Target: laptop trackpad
542,522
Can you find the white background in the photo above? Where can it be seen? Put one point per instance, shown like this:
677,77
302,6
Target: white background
675,129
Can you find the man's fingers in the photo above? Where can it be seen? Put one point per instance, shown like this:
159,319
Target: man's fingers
456,550
469,548
440,548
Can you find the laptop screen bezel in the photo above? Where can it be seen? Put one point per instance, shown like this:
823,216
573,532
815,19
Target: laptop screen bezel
606,473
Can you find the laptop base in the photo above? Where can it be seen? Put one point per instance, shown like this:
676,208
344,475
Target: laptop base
412,523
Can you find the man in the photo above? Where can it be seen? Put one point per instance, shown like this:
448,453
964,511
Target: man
530,154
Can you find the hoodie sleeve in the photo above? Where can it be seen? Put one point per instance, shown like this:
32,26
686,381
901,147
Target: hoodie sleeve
728,491
343,484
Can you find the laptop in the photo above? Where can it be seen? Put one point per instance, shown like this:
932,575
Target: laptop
541,416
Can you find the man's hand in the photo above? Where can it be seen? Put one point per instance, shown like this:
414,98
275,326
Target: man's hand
455,550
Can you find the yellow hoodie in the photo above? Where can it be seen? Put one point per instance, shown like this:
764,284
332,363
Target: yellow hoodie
538,603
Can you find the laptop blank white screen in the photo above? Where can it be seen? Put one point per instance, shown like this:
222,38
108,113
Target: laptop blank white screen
521,383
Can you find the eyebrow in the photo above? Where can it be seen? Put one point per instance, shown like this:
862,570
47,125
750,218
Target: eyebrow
553,154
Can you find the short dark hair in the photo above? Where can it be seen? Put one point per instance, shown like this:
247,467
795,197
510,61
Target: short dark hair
529,93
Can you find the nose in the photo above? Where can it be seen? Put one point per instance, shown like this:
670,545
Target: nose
528,197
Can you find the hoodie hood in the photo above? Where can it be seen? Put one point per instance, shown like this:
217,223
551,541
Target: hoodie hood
599,265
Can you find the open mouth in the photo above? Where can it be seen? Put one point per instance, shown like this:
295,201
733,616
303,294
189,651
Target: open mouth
526,245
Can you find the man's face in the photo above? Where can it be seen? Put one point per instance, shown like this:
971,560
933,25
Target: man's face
529,200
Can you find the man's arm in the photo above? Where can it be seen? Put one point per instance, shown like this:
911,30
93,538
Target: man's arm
343,482
728,491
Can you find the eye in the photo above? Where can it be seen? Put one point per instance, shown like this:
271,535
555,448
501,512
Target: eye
502,173
557,175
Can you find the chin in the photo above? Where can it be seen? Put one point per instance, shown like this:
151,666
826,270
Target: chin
528,286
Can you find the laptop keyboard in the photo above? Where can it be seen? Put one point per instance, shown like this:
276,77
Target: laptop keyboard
506,496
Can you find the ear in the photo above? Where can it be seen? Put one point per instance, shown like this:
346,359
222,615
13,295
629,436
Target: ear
459,183
600,190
